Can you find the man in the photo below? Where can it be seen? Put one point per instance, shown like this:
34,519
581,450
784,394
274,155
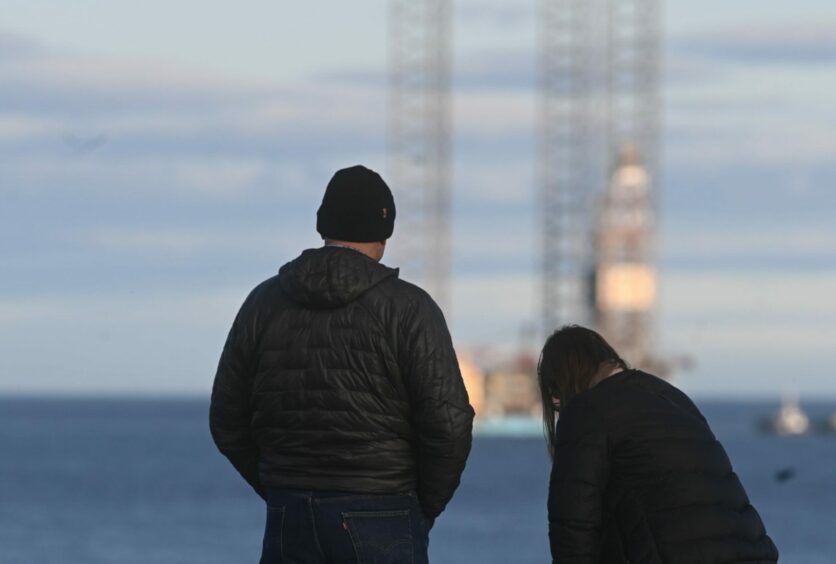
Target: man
338,396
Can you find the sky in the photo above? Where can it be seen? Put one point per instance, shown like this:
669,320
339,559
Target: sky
159,159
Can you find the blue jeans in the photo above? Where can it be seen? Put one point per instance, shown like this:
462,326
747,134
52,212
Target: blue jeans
307,527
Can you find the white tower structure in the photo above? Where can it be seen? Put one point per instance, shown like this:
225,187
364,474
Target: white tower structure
625,282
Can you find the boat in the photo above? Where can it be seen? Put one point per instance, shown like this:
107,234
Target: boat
790,419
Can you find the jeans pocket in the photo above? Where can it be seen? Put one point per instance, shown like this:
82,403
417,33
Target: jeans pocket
272,549
380,537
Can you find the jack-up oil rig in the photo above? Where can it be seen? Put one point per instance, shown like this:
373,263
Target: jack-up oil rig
599,169
598,165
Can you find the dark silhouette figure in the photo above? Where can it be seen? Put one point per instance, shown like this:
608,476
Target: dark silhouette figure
637,474
338,396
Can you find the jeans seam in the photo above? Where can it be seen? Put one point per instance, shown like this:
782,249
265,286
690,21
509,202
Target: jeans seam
281,535
272,537
411,537
313,528
357,552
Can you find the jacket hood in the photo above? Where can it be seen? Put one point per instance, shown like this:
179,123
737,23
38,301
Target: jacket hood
331,277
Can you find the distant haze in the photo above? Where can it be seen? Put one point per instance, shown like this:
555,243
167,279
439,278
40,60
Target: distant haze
158,160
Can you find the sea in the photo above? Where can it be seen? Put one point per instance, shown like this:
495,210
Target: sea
138,481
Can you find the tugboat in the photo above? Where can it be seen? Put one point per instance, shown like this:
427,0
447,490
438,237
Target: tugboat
790,419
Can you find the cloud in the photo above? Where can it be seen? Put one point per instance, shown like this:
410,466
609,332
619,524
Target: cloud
499,185
479,69
191,307
771,313
792,43
262,240
18,127
15,47
754,246
362,77
144,106
745,321
171,133
743,296
193,120
154,178
498,70
750,333
685,69
207,181
117,342
775,130
499,14
484,118
56,84
492,309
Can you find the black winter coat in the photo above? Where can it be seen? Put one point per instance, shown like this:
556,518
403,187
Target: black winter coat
339,376
639,477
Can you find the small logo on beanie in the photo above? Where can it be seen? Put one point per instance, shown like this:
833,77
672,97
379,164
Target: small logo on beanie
385,213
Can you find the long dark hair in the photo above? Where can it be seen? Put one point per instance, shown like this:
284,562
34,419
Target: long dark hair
571,358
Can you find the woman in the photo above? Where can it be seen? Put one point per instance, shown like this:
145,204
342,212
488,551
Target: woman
638,475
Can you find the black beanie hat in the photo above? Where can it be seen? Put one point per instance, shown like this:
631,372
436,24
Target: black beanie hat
357,207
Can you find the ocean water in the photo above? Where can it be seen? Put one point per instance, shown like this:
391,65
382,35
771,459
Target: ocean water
92,481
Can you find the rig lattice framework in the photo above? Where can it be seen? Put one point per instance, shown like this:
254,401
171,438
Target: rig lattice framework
419,142
599,73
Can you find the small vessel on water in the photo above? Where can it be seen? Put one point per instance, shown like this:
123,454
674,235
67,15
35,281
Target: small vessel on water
790,419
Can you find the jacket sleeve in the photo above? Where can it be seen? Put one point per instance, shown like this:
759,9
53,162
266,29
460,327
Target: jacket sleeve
230,412
441,411
576,488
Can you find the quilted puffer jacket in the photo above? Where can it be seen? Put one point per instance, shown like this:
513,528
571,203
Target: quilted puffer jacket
639,477
339,376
